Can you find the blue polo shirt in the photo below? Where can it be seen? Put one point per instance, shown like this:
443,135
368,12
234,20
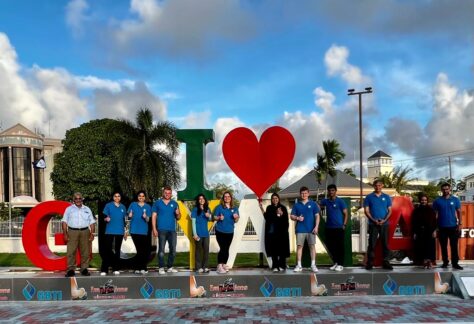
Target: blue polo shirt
446,209
226,225
378,206
334,212
166,216
139,225
201,222
308,211
117,215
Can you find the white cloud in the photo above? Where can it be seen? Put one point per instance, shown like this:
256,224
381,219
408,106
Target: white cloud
449,128
336,61
52,100
93,82
127,101
183,28
76,16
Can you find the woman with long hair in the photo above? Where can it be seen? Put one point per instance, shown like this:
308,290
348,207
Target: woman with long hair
424,232
139,213
225,215
277,240
200,217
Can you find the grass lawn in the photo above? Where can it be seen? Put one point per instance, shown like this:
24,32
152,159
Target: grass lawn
243,260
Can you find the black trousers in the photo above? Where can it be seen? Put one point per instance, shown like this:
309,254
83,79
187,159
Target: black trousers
142,244
278,261
376,231
111,257
335,244
452,234
224,240
202,253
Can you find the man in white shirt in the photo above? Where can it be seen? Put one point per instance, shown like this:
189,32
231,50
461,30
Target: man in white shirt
78,227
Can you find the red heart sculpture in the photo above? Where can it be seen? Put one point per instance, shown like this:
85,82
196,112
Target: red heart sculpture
259,164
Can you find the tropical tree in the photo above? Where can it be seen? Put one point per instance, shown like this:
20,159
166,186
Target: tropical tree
88,162
219,189
147,158
350,172
326,163
397,179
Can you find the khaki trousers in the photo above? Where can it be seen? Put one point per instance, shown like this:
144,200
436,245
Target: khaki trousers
78,240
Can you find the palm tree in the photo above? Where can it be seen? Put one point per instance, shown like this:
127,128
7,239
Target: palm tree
350,172
142,165
332,156
398,178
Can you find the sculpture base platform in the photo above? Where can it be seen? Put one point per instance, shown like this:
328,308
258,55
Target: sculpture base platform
48,286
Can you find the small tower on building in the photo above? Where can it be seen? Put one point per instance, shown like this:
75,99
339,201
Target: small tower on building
378,164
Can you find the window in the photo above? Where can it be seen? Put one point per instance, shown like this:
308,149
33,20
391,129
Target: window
21,161
462,198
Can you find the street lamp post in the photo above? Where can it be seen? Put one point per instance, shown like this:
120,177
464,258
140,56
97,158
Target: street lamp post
352,92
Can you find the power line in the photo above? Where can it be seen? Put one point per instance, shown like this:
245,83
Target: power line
434,156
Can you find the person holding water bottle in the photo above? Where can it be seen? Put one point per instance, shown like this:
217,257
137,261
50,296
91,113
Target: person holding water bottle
115,214
200,217
139,214
226,215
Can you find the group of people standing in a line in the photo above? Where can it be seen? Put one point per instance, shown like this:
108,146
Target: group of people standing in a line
79,225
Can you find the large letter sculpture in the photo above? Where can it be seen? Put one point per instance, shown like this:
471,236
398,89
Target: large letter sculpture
34,235
402,208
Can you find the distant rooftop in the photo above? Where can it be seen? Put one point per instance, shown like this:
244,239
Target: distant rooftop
379,154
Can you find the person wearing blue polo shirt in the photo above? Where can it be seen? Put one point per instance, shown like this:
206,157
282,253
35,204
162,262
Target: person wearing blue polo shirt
165,213
305,213
200,217
225,215
336,220
139,213
114,217
378,208
448,211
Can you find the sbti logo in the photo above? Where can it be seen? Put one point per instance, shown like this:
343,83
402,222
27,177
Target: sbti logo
390,287
267,288
29,292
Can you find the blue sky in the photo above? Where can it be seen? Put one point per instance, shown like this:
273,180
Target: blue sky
222,64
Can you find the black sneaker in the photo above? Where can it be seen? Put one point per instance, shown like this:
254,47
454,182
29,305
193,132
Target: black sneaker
387,266
457,267
70,273
85,272
444,265
369,266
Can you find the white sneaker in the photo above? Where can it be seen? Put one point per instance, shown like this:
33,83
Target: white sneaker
143,272
282,269
137,271
276,270
201,270
298,269
103,273
226,267
161,271
221,270
333,267
116,273
314,268
172,270
339,268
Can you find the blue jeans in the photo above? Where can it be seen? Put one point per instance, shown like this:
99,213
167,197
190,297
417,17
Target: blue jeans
163,237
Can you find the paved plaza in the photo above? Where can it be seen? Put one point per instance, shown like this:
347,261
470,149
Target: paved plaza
433,308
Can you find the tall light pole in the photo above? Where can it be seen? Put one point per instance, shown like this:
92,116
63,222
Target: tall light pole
352,92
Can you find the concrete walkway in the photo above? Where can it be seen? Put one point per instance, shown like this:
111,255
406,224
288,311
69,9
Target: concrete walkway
433,308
